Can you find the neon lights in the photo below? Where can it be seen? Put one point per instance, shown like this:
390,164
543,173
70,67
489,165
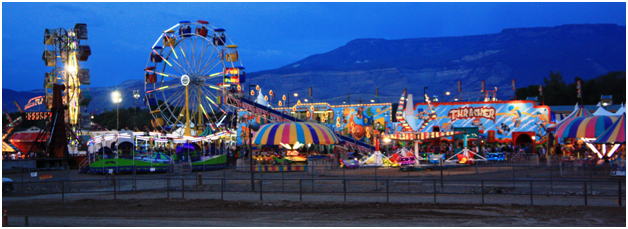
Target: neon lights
610,153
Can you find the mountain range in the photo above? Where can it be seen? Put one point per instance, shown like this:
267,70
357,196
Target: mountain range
362,65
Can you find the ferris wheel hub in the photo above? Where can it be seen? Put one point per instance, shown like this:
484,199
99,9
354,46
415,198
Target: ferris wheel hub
185,80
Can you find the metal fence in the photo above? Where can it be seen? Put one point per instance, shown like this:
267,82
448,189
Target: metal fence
401,189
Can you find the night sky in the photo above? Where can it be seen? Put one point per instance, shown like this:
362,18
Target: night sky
269,35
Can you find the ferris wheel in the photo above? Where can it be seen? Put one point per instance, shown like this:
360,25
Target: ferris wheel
190,69
63,51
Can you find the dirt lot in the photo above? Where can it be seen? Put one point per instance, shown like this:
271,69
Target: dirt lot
192,212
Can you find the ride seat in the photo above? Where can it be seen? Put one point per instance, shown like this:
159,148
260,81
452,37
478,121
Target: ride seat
86,97
80,29
84,51
50,36
83,75
50,58
169,41
201,31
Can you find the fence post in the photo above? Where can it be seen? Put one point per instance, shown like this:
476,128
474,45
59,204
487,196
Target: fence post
619,192
513,177
482,182
442,187
261,180
313,180
386,190
62,191
408,177
551,181
531,194
344,183
434,191
222,189
585,194
114,189
182,188
300,190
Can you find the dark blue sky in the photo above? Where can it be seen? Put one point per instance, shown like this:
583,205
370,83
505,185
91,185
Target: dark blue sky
269,35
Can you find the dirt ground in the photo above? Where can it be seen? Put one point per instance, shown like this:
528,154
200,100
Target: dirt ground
194,212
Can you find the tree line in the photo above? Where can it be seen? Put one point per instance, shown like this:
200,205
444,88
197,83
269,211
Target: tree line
557,92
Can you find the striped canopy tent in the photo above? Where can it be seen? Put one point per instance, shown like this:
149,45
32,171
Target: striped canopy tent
616,134
584,127
580,112
293,132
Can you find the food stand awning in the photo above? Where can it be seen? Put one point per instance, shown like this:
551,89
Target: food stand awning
293,132
24,141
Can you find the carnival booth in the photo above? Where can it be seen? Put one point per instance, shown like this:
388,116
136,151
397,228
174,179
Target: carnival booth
288,138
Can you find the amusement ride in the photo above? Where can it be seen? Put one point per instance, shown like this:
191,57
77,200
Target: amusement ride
63,52
191,67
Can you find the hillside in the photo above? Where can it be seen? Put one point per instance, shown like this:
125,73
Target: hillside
524,54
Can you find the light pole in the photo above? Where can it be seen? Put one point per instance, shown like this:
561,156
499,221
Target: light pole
136,95
425,92
117,98
252,125
251,85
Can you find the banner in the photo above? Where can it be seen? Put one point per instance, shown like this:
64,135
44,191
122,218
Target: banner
541,90
482,86
513,85
459,88
579,90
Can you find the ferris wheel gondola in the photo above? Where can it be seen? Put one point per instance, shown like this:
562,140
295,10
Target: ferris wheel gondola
186,79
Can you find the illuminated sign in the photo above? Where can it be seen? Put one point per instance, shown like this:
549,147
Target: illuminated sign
34,102
472,112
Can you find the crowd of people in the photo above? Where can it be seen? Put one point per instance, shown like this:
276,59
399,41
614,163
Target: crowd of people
18,155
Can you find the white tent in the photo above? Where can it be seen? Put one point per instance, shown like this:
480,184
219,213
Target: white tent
260,99
602,112
374,160
621,110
